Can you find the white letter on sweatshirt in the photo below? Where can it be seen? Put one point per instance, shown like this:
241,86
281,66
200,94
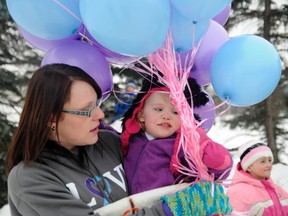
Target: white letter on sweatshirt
74,192
115,180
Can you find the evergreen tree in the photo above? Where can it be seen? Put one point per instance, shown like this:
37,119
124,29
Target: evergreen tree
268,19
17,61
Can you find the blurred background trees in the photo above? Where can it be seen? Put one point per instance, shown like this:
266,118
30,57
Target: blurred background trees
266,18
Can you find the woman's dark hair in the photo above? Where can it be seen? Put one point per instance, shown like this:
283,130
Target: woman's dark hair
199,97
48,90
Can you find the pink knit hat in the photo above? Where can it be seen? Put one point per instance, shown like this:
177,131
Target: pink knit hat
252,151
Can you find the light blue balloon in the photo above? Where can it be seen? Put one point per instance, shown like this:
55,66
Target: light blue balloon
245,70
129,27
46,18
197,10
185,33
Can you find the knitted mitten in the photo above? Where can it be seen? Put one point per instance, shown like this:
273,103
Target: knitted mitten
199,200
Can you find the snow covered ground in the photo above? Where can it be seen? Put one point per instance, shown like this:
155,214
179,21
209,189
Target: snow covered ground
230,139
5,211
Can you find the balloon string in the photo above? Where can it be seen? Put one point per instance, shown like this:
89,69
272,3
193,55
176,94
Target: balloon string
193,37
69,11
227,101
85,38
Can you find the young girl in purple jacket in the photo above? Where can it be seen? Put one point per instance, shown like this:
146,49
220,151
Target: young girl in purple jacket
150,139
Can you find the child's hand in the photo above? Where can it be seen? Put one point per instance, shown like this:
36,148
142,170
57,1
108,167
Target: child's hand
215,156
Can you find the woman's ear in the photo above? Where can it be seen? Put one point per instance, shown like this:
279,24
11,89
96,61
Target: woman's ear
52,122
52,125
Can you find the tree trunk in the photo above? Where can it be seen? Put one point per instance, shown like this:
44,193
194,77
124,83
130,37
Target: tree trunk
270,126
271,109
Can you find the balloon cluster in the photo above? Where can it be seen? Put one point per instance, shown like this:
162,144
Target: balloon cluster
91,34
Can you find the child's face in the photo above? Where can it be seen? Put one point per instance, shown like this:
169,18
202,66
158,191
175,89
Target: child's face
261,168
159,116
130,89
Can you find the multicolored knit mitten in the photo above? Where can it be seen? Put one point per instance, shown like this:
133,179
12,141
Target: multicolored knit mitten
199,200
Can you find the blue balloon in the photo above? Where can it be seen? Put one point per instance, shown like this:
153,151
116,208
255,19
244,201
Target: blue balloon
46,18
129,27
185,33
245,70
197,10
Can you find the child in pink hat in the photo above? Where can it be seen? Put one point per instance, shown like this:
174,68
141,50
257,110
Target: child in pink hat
150,139
252,191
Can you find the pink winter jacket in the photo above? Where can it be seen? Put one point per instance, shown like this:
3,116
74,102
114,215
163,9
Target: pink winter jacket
249,196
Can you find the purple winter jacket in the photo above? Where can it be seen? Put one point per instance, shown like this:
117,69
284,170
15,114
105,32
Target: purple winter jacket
147,164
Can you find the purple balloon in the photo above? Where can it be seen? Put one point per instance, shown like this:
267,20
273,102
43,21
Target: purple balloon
207,113
213,39
44,44
223,16
86,57
111,56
